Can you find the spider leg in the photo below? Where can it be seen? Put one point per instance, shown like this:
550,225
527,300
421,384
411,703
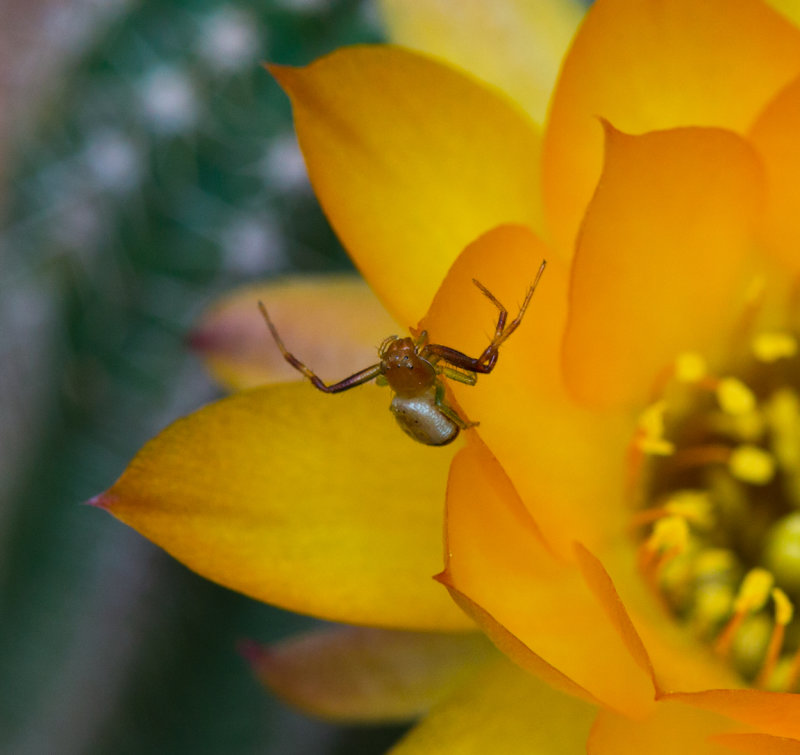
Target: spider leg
486,361
449,412
363,376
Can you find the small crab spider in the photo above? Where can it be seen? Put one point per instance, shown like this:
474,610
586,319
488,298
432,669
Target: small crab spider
413,369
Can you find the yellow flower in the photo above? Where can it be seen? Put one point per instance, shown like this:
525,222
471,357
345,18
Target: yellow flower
620,524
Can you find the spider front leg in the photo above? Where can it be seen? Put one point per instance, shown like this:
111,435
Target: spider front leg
363,376
486,361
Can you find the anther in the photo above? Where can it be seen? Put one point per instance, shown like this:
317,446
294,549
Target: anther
753,594
670,537
693,505
771,346
735,397
784,611
752,464
690,367
782,411
782,551
651,431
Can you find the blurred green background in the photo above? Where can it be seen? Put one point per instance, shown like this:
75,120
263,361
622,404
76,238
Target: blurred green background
148,166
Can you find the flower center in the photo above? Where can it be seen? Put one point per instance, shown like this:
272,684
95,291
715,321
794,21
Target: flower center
719,523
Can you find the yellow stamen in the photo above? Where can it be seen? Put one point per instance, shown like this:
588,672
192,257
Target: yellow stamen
782,411
754,591
693,505
668,533
651,426
735,397
746,428
753,594
794,673
690,367
781,554
751,464
702,456
712,563
657,447
670,536
771,346
711,605
784,611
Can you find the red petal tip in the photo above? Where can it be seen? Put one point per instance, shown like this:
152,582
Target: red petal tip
443,578
102,501
253,652
201,340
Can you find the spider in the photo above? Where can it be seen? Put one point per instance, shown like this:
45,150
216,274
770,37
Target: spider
413,369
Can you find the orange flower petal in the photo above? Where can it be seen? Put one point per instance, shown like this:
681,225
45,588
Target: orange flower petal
669,729
314,503
758,744
546,443
672,655
411,160
368,675
503,710
333,323
661,259
788,8
600,584
497,560
647,65
772,713
775,137
512,647
521,43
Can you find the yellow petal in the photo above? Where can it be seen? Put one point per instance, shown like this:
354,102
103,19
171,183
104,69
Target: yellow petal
368,675
504,710
312,502
661,265
332,323
775,137
515,45
538,433
646,65
497,560
411,160
670,728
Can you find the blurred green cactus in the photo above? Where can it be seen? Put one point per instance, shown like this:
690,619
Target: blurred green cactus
160,170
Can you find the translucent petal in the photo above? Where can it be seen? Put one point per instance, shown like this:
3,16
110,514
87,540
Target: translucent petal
368,675
332,323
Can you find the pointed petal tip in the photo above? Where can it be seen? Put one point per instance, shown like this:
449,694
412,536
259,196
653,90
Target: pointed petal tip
280,72
201,340
101,501
253,652
443,578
